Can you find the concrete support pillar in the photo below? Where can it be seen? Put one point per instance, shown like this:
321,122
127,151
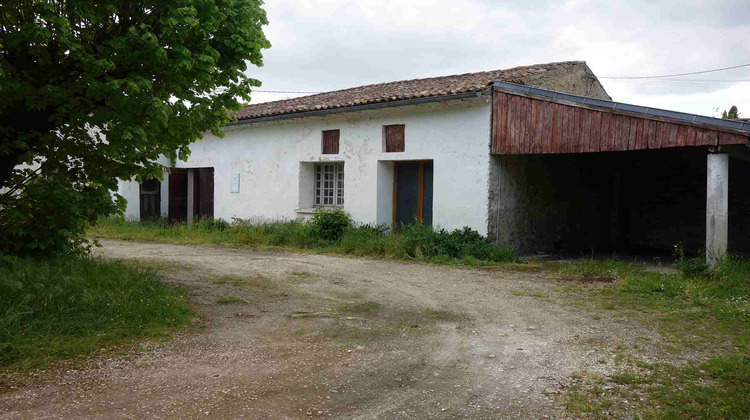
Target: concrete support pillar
190,195
165,196
717,206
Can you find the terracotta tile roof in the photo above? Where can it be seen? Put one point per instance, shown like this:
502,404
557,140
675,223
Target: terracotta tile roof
394,91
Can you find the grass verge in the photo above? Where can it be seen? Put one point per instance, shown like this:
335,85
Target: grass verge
421,243
716,388
704,362
63,308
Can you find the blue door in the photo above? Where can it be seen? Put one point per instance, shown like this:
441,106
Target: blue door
413,196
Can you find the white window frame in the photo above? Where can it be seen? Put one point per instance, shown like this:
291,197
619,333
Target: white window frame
328,184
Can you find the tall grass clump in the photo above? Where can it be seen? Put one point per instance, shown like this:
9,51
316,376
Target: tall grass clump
61,308
331,231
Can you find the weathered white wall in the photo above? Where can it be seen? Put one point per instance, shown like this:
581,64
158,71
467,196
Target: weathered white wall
130,191
273,161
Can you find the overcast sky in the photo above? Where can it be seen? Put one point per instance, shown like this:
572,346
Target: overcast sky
321,45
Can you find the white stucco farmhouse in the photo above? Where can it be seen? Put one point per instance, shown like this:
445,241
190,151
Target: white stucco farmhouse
273,162
538,158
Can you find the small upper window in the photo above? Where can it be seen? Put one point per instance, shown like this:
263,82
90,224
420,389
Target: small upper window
331,142
394,138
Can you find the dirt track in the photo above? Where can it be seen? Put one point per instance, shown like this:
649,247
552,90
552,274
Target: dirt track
325,337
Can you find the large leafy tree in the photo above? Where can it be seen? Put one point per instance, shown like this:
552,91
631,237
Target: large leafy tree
92,91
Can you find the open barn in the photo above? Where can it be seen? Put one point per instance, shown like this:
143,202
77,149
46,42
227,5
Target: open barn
571,174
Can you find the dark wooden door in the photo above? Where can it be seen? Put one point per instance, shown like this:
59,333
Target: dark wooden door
150,199
203,191
413,195
178,195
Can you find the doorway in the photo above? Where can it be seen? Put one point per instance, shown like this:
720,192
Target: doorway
150,199
178,195
412,192
191,194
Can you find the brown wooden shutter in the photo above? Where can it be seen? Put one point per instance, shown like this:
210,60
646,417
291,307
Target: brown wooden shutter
178,195
150,195
331,142
206,195
394,138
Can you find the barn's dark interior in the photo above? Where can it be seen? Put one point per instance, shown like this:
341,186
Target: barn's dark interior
627,203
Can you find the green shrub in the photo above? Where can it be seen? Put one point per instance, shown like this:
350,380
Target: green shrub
58,308
49,218
424,241
331,224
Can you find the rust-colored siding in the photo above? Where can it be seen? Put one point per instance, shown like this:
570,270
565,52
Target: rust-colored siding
529,125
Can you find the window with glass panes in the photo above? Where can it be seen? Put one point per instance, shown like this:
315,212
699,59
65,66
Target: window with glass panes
329,184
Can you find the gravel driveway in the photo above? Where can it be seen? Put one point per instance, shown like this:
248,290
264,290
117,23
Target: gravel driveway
312,336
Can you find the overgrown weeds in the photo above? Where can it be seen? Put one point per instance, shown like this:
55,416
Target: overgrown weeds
62,308
329,231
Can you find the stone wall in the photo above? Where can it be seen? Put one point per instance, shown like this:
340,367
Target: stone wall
577,80
544,203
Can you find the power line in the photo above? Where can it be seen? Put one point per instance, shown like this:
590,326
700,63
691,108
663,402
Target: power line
674,75
283,91
222,89
687,81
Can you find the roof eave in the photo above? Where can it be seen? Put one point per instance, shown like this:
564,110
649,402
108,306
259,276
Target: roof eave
363,107
729,126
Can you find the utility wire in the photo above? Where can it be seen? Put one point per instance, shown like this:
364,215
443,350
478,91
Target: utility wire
687,81
222,89
283,91
674,75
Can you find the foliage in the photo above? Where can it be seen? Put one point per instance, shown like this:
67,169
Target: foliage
413,242
731,114
690,267
331,224
95,91
60,308
425,241
48,217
